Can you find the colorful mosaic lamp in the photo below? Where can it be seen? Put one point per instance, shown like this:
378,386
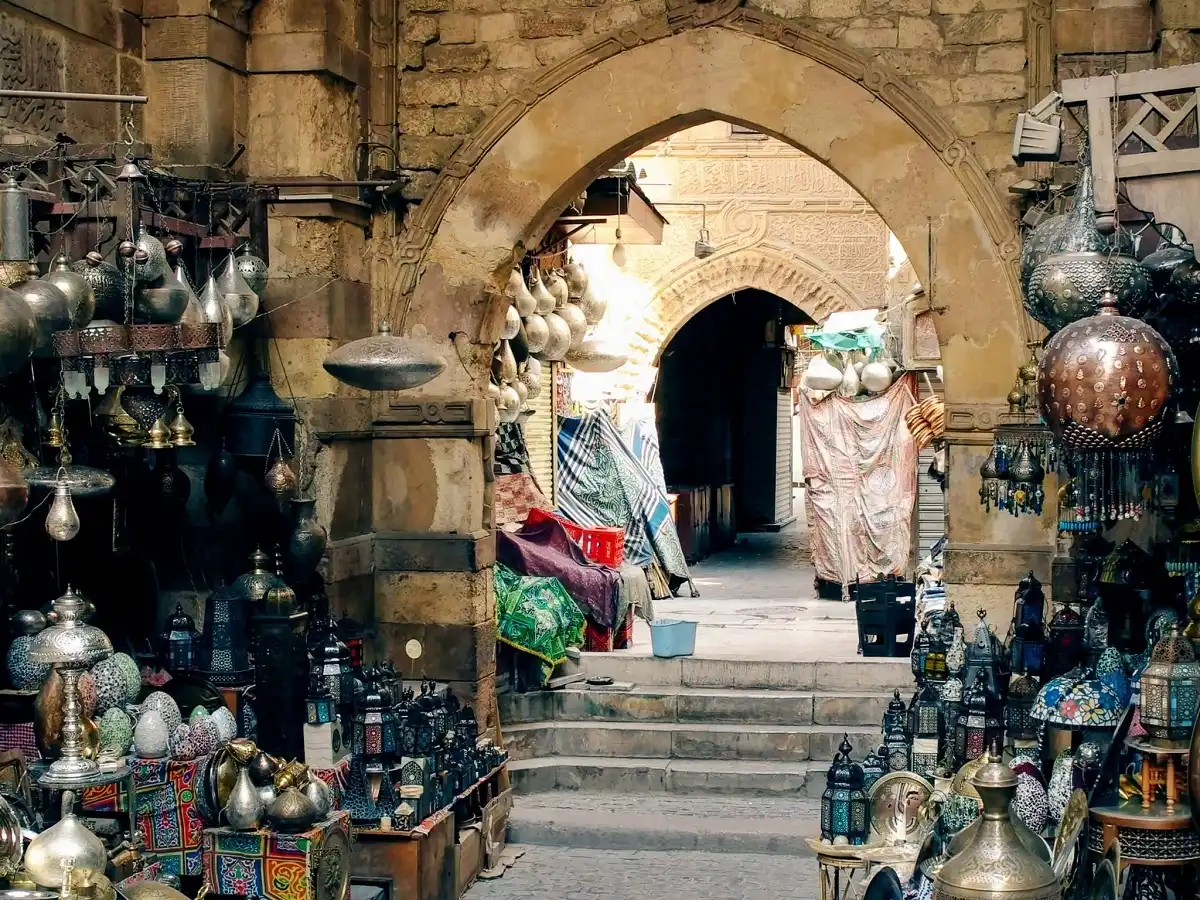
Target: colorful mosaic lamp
1170,686
926,726
319,706
1073,703
332,665
978,725
844,804
373,739
179,643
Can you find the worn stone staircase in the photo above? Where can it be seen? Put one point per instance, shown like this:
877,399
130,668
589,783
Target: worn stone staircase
697,726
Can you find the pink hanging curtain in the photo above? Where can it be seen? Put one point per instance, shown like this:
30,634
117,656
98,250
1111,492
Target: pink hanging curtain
861,469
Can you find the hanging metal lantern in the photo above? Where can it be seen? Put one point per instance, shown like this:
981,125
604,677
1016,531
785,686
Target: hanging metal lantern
1170,688
1104,382
896,712
844,803
385,362
978,724
1027,641
319,708
984,655
254,417
597,355
253,271
1038,245
179,643
51,310
1065,643
241,299
15,244
1018,719
78,291
1069,284
995,863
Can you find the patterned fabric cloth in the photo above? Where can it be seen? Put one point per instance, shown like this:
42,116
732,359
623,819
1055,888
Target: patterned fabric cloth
20,737
602,482
266,863
516,495
512,455
167,816
536,615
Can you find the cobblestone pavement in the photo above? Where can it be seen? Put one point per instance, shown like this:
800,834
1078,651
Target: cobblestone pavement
560,873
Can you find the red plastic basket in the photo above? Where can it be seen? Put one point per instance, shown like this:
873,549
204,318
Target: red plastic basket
601,545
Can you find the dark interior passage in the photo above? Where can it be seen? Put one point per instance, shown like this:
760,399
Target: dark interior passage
724,408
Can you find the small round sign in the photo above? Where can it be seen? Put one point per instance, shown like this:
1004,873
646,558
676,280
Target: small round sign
413,649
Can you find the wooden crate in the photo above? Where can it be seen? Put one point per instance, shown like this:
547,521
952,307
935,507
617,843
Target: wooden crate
422,863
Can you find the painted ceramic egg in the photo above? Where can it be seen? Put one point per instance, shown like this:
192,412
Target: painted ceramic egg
116,731
133,675
205,735
111,687
150,737
1031,803
166,706
182,745
25,675
225,722
87,694
197,714
1062,780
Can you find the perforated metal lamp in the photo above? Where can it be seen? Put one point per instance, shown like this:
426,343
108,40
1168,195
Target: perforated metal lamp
844,803
1170,687
72,646
926,726
1018,710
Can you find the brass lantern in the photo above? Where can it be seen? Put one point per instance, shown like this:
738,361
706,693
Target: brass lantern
996,864
1169,686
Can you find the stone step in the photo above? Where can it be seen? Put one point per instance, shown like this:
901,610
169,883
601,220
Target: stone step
627,703
805,779
662,821
867,674
684,740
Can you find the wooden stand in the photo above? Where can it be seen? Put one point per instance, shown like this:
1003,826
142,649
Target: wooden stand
1160,771
430,862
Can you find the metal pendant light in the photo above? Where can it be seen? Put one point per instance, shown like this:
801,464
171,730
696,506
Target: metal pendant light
385,362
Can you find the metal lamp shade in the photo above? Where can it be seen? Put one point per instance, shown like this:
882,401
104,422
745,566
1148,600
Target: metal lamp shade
1169,691
844,803
224,647
70,641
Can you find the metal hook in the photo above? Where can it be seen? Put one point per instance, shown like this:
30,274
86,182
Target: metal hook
129,139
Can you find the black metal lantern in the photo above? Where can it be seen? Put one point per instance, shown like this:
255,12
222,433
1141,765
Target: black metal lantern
1031,602
373,739
332,667
895,744
985,655
1065,644
1020,725
926,727
874,767
978,725
253,419
319,707
1027,637
350,633
179,643
929,656
844,803
224,646
948,624
896,712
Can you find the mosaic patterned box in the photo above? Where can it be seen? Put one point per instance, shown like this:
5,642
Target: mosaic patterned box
167,815
275,866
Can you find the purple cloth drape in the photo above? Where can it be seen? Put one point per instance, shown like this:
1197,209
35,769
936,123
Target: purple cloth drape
545,548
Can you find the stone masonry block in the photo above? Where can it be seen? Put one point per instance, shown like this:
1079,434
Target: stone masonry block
870,37
513,55
496,27
834,9
551,50
1003,58
426,152
1179,13
415,120
1123,29
421,29
558,24
969,119
431,598
456,57
985,88
410,55
420,89
986,27
482,90
449,120
918,32
457,28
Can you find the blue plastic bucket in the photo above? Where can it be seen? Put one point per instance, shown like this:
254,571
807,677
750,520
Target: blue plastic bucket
672,637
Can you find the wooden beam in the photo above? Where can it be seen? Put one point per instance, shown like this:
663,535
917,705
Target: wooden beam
1151,81
1104,176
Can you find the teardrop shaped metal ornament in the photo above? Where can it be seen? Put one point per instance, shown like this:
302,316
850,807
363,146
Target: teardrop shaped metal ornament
518,292
215,310
238,295
545,300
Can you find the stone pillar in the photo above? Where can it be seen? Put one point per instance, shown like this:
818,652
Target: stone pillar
196,81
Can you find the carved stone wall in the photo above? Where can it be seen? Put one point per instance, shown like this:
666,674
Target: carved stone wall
779,221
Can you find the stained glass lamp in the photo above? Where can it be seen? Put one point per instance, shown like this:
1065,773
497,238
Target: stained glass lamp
926,726
874,767
978,725
1169,691
844,817
373,739
1018,718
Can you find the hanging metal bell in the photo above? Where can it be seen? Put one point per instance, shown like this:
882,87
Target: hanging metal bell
159,436
181,430
131,172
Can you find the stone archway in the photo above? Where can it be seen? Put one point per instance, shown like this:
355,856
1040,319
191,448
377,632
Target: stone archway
509,181
686,290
